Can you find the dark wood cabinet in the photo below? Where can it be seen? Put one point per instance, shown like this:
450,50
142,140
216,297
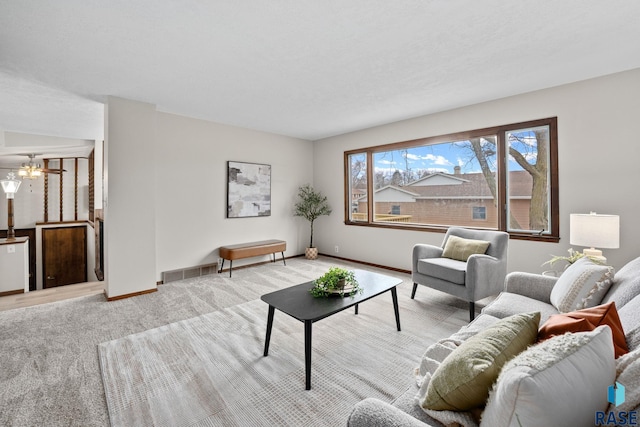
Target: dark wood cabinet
64,256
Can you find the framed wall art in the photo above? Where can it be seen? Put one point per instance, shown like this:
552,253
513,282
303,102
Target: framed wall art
248,190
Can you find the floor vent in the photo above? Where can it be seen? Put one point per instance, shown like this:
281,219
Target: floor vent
189,272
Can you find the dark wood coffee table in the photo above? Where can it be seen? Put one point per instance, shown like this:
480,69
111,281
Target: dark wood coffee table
298,303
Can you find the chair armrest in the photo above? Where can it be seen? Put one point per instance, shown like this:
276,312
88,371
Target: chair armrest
485,276
376,413
531,285
421,251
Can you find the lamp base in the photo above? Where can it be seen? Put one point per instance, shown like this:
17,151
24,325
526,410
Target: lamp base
595,254
592,252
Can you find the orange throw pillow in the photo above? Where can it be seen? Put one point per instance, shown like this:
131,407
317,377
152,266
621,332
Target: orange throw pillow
586,320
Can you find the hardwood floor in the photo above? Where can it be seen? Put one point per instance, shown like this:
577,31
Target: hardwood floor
51,295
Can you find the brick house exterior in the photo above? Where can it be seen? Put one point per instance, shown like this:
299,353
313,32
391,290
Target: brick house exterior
451,199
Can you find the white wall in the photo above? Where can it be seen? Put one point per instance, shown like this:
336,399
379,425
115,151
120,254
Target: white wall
129,197
97,177
598,150
165,192
191,183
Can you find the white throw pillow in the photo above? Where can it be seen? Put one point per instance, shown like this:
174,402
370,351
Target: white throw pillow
560,382
628,374
582,285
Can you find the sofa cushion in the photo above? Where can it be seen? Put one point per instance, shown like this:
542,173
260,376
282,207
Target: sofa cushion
461,249
480,323
630,319
507,304
444,269
626,284
586,320
463,379
406,402
582,285
372,412
628,374
560,382
431,360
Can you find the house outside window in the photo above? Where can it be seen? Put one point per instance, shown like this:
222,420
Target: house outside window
479,213
505,176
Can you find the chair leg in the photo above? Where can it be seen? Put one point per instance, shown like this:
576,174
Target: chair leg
472,311
413,292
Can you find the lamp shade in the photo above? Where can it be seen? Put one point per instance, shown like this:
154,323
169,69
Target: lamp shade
594,230
10,185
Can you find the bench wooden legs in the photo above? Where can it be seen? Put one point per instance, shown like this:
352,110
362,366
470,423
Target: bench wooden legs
230,266
222,266
273,259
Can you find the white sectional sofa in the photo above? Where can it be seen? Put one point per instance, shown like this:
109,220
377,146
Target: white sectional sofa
524,293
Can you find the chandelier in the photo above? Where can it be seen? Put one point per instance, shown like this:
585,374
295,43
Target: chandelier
30,170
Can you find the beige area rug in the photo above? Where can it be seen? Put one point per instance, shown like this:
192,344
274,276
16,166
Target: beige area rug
210,370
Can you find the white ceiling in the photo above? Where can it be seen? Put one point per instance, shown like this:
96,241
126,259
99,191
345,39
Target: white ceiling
304,68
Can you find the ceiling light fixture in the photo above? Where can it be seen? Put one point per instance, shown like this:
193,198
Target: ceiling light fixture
30,170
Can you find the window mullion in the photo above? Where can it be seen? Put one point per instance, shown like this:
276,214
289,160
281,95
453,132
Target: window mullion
503,156
370,178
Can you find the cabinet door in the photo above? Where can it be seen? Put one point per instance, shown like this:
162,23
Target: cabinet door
64,256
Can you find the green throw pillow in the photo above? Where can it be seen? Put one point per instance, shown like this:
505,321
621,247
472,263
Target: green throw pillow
461,249
463,380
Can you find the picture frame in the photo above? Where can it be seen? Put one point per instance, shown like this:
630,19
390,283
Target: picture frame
248,189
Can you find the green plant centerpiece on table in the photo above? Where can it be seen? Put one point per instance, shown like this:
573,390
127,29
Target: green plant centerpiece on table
336,281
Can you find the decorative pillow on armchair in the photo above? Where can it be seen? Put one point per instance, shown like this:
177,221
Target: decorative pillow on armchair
586,320
583,284
461,249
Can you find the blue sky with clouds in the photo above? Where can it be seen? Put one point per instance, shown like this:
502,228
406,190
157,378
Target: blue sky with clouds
434,158
445,156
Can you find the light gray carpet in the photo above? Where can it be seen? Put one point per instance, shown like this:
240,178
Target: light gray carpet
50,375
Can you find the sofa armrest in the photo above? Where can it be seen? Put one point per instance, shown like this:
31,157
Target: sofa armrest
376,413
531,285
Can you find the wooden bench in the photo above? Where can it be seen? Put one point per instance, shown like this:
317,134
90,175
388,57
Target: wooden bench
251,249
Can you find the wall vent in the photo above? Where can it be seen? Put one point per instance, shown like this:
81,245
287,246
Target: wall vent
189,272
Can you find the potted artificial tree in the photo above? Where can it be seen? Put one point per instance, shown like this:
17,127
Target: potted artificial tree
311,204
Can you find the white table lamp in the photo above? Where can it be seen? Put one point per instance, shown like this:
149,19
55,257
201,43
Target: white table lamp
594,231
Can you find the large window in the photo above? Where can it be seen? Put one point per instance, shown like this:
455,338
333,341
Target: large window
502,178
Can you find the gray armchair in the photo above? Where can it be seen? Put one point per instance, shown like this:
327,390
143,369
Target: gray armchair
482,275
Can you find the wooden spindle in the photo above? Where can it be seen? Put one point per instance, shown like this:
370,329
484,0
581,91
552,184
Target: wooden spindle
75,190
61,192
46,192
